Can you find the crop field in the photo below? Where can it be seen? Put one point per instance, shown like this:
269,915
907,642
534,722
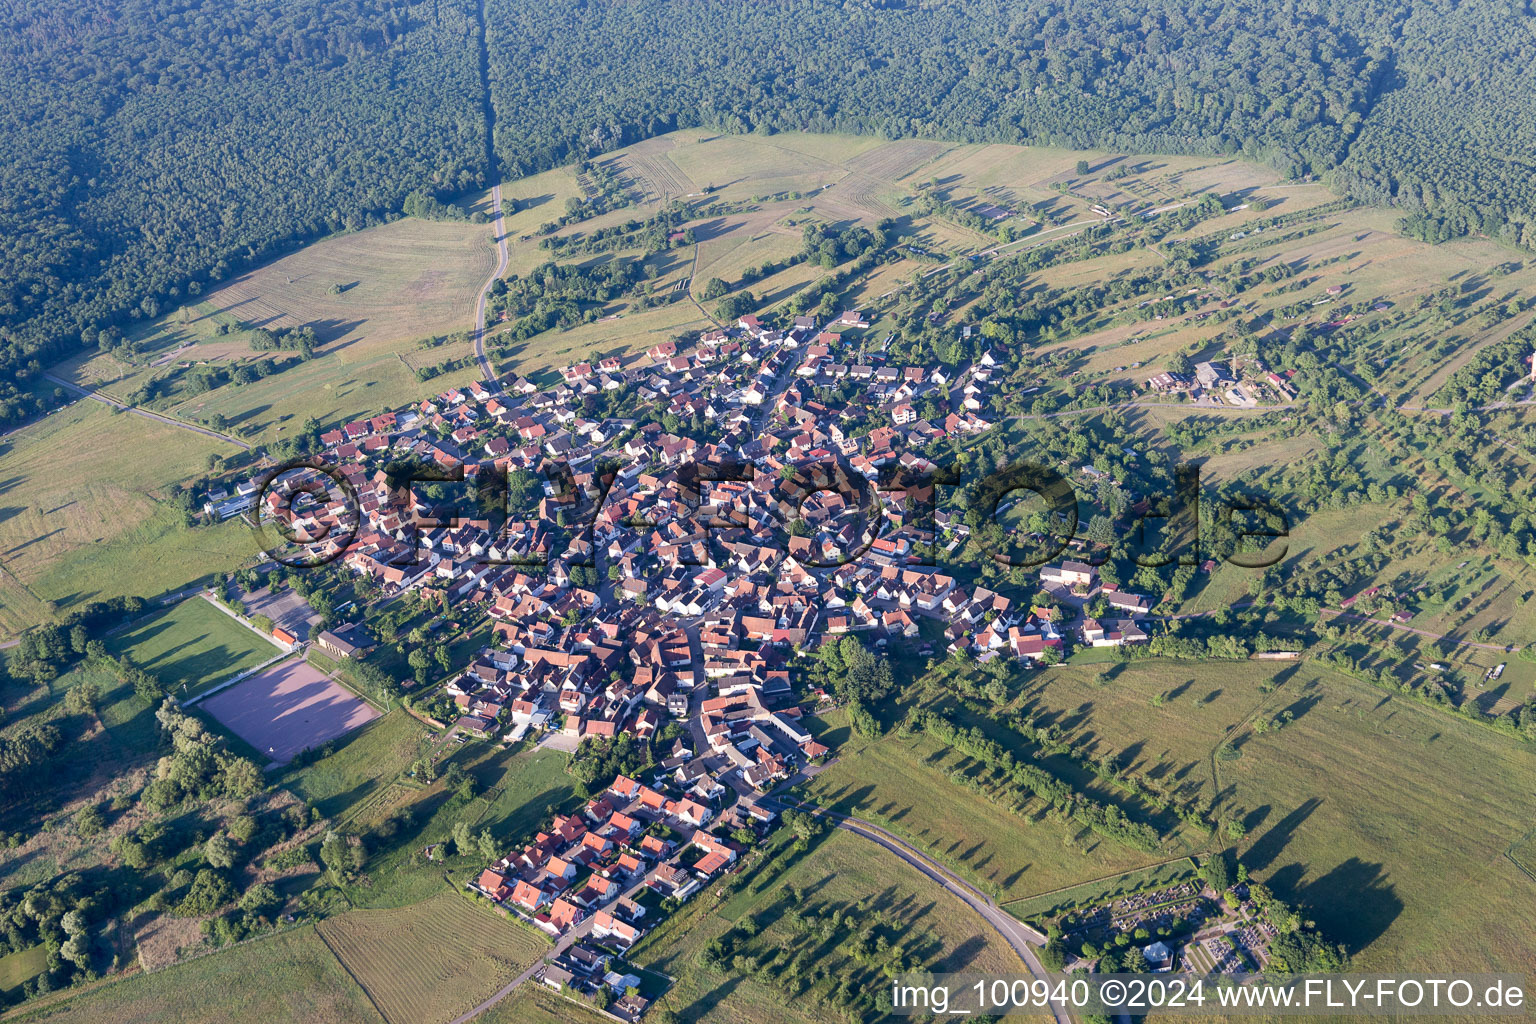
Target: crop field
893,161
192,645
397,282
839,872
654,174
748,164
369,295
535,1004
844,150
426,963
905,786
290,977
744,240
289,708
343,384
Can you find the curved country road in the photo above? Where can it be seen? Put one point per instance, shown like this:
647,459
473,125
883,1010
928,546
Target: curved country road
485,292
1019,936
96,396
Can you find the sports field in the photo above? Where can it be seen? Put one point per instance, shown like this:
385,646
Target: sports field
428,962
288,708
192,645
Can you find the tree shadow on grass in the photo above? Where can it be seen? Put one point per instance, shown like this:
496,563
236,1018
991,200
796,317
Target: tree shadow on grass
703,1008
1269,846
1353,904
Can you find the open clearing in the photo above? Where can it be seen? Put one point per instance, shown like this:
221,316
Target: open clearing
904,786
82,515
394,283
535,1004
369,295
191,646
290,977
22,966
1388,821
426,963
289,708
368,761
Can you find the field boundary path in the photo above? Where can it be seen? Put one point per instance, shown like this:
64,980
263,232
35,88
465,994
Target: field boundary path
169,421
1337,613
485,292
1095,881
1019,936
355,979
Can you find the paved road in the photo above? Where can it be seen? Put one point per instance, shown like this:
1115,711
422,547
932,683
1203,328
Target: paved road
560,947
485,292
1016,933
566,941
96,396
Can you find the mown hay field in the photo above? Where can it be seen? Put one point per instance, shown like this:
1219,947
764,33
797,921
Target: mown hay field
290,977
431,961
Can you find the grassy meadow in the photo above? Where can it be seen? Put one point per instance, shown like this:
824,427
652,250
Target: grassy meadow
192,645
362,765
838,872
289,977
20,967
535,1004
905,786
82,513
1387,820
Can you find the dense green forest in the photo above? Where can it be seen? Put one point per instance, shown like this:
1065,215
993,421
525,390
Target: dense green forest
152,147
1421,103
